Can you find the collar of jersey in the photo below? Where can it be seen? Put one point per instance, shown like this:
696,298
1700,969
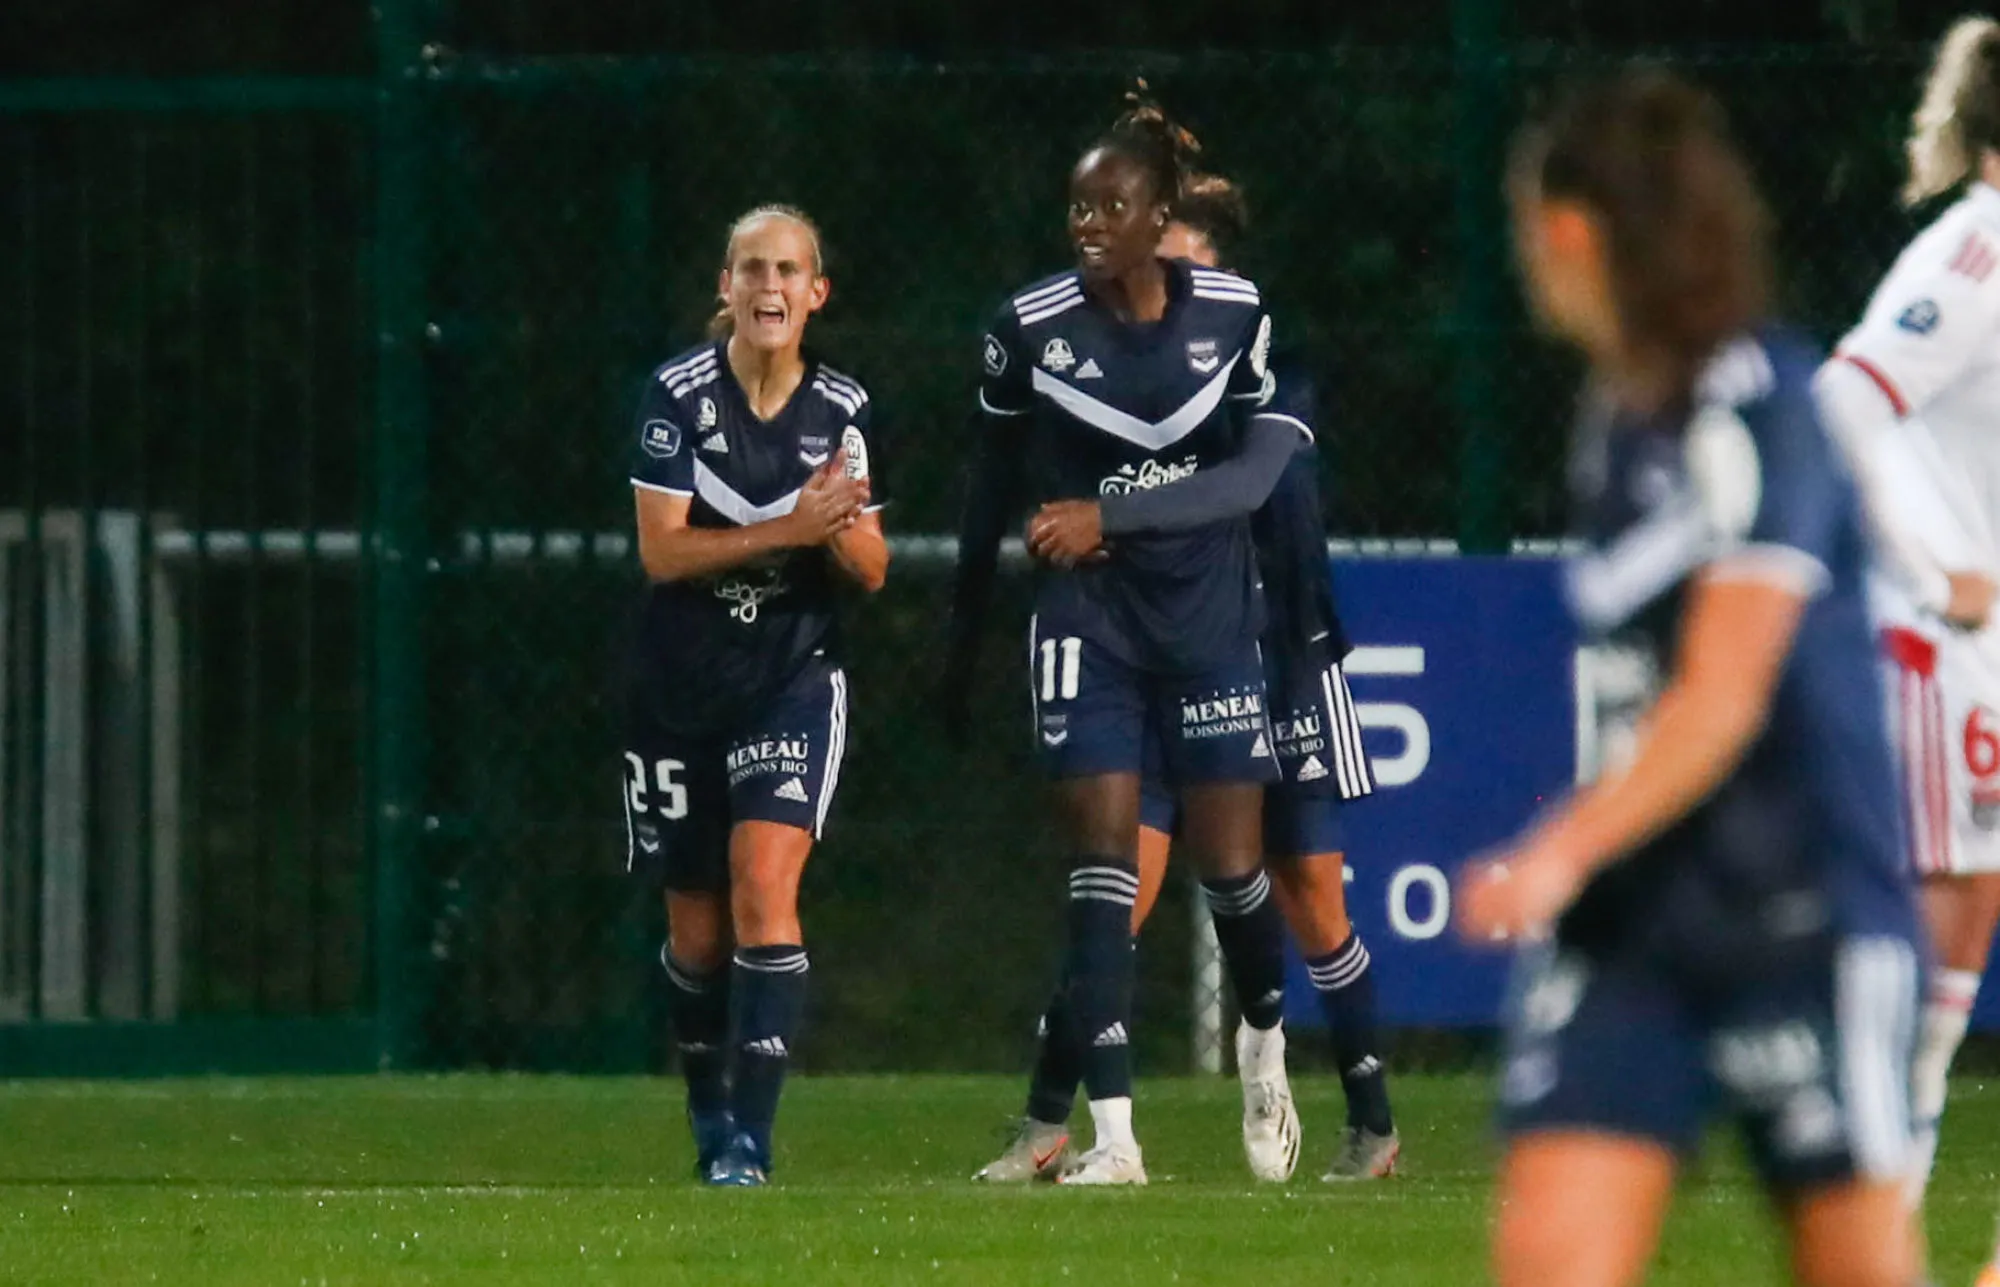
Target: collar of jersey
1153,435
734,391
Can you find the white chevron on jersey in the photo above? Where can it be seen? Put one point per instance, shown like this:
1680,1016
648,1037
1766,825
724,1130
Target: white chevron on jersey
730,503
1152,435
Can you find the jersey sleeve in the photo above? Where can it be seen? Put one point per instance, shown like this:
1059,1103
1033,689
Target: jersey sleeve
1250,380
1289,400
1004,385
1934,316
662,456
861,444
1773,492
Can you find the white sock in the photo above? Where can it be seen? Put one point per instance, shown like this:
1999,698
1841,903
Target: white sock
1946,1013
1260,1052
1113,1121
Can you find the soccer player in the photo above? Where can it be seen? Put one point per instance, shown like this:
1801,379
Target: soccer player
756,494
1915,395
1723,920
1321,761
1129,372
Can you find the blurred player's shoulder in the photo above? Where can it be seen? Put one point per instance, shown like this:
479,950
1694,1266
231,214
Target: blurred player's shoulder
685,374
1219,286
1044,300
1961,245
840,389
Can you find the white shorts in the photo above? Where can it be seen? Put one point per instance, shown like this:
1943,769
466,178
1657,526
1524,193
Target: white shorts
1943,726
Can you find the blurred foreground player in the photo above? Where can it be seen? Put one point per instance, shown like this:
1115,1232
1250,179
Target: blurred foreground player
755,494
1318,744
1730,925
1915,395
1125,374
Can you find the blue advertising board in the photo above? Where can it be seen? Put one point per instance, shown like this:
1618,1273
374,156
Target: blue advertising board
1463,676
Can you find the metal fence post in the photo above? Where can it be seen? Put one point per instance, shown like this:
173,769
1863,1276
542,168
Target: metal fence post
397,734
1479,108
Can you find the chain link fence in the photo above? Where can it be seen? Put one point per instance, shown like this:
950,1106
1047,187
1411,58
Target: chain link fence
190,495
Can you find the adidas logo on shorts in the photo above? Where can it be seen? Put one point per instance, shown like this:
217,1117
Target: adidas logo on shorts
1111,1036
1262,750
1312,770
793,790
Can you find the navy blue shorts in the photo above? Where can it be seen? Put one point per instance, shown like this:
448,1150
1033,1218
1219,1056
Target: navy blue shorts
1814,1069
685,792
1094,714
1320,761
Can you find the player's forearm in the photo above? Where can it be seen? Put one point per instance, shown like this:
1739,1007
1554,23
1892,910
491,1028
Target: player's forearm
1233,488
1863,421
991,490
688,552
862,552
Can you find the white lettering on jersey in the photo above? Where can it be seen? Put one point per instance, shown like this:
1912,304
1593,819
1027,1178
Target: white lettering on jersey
1145,477
856,448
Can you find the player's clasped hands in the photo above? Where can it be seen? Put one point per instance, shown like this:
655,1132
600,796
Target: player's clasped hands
830,502
1066,533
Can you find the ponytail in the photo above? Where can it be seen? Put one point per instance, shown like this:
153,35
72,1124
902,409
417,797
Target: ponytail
1959,117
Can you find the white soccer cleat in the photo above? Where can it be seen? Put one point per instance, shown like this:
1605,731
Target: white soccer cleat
1107,1164
1271,1132
1039,1152
1364,1155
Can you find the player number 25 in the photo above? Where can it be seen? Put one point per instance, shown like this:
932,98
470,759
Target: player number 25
673,795
1062,662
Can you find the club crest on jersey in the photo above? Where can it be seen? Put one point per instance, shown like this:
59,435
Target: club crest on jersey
813,452
705,417
1056,355
1920,318
856,448
662,438
996,356
1202,357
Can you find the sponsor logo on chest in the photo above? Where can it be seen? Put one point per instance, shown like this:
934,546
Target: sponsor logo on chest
1148,475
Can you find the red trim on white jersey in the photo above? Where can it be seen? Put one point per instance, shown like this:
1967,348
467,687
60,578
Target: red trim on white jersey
1974,259
1882,381
1921,749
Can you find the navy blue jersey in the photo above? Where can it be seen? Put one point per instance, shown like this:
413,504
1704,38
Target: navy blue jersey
1115,406
1290,533
1803,838
715,646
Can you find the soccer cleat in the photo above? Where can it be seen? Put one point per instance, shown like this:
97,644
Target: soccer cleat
1270,1119
1107,1164
1364,1155
712,1135
741,1166
1039,1151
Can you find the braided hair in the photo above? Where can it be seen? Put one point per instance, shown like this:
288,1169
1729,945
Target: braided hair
1146,135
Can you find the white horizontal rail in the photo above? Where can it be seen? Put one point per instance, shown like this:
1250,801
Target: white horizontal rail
520,545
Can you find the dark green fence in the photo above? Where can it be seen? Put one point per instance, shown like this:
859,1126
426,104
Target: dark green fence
314,556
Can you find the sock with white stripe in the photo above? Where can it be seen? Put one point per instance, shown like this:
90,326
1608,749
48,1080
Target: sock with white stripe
1098,972
1058,1064
698,1003
769,989
1346,988
1251,932
1947,1011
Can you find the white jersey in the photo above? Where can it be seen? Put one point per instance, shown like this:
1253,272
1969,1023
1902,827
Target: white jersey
1930,341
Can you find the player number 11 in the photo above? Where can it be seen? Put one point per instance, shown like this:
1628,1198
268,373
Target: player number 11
1062,660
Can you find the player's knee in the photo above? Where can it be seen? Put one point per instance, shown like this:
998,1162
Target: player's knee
1886,1262
698,930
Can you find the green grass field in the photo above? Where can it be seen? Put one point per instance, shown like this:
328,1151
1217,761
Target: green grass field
569,1180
